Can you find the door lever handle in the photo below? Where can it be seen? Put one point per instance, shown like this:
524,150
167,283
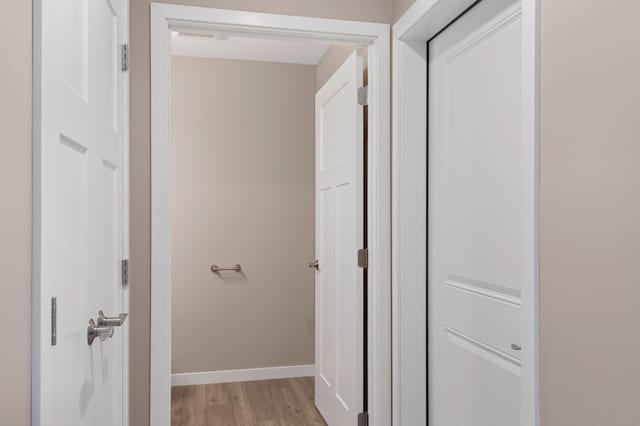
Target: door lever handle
104,321
313,264
94,331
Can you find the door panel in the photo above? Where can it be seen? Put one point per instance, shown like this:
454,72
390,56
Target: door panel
476,218
80,228
339,234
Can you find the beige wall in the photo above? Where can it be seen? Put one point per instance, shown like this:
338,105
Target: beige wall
401,6
590,201
243,137
330,61
333,58
15,213
364,10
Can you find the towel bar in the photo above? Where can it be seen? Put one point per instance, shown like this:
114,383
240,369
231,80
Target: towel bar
216,268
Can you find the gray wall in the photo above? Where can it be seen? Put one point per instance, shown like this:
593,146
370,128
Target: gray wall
243,136
15,213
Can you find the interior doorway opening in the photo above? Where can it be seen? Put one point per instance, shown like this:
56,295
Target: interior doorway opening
235,212
251,265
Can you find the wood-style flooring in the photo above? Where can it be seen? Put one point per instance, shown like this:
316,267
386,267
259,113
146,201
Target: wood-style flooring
282,402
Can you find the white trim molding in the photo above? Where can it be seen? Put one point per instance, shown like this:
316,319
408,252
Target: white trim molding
243,375
422,21
166,17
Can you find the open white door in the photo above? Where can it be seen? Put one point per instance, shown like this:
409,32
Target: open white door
339,235
479,192
79,213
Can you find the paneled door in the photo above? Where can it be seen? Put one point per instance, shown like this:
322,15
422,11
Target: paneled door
79,213
477,218
339,235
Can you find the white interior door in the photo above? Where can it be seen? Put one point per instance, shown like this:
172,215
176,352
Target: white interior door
476,240
81,129
339,235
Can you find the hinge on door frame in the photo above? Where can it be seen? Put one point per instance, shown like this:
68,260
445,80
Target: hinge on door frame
363,258
363,95
124,57
125,272
363,419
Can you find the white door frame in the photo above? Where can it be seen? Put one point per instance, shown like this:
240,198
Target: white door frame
167,17
409,228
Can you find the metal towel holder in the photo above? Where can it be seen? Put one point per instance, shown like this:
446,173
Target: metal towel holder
216,268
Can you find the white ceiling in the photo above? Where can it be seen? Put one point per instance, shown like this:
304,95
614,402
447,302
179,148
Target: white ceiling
306,52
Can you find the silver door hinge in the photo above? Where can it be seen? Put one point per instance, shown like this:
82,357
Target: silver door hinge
125,272
363,95
124,56
363,258
363,419
54,321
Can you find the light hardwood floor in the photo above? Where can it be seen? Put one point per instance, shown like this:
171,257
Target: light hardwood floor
282,402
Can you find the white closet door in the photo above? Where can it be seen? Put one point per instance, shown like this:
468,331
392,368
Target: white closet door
477,223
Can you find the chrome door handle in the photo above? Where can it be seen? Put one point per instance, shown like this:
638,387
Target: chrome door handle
314,264
94,331
104,321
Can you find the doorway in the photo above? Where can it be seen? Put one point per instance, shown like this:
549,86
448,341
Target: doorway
478,248
242,286
452,157
256,279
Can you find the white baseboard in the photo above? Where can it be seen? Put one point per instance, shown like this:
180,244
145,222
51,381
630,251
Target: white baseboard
246,375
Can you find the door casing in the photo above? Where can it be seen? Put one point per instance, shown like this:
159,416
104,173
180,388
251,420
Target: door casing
420,23
170,17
